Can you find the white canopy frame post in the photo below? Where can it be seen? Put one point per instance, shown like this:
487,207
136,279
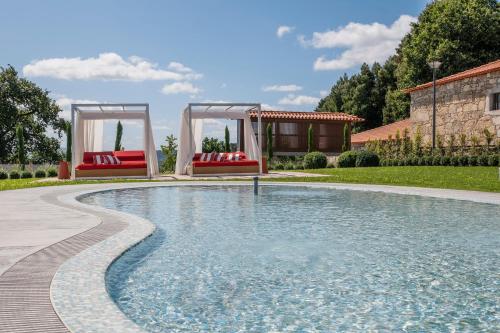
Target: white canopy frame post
83,113
200,111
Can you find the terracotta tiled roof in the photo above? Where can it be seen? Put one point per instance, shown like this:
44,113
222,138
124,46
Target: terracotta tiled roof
296,115
484,69
382,132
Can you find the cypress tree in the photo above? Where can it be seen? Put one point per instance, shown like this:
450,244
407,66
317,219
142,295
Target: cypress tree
347,139
310,138
118,140
269,141
68,142
20,151
227,147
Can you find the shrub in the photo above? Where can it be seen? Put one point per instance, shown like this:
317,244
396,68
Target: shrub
40,173
330,165
454,160
472,160
367,158
315,160
383,162
26,174
299,166
14,174
51,172
445,160
278,166
3,174
289,166
414,160
493,160
421,161
400,162
463,160
436,160
347,159
482,160
428,160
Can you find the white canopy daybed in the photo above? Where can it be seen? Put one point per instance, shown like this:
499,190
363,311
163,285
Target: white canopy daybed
87,133
190,137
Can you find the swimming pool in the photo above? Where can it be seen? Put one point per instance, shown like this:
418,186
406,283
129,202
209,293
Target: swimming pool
305,259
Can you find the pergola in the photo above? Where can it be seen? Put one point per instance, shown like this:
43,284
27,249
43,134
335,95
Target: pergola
87,130
190,140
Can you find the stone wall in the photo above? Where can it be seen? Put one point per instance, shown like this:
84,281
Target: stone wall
460,108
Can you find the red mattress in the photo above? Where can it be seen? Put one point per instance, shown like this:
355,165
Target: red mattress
131,159
199,164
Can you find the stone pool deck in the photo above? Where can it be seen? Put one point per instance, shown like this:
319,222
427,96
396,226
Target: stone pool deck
54,252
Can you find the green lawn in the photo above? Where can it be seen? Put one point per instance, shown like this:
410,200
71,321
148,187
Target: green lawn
14,184
463,178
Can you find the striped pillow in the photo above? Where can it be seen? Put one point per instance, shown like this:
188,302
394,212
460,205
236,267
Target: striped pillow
106,159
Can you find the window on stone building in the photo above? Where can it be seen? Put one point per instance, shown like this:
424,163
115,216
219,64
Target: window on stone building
495,101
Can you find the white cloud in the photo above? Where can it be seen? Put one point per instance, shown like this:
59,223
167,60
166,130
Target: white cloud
362,43
269,107
283,30
180,88
178,67
292,99
107,66
65,104
324,93
283,88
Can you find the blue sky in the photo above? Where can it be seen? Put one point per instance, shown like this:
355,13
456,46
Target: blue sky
169,53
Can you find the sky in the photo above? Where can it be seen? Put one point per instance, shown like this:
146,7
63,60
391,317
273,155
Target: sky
283,54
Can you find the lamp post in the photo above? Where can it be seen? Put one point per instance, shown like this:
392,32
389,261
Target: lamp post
434,65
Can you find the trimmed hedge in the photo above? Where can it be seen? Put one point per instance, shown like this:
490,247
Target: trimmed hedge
3,174
315,160
14,174
51,172
347,159
26,174
494,160
367,159
40,173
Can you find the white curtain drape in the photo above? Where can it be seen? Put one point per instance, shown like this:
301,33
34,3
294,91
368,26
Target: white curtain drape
88,136
186,150
93,132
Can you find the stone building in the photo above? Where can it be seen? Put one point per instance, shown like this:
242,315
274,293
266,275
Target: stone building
466,102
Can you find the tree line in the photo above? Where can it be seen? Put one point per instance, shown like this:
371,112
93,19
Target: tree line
461,34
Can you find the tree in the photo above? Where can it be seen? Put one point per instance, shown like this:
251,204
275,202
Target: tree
460,33
346,145
227,146
118,140
25,104
20,147
170,153
68,142
269,145
210,145
310,135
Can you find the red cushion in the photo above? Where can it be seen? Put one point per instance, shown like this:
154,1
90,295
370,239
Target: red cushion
123,165
243,156
88,156
130,155
200,164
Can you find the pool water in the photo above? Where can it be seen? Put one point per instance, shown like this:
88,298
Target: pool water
299,259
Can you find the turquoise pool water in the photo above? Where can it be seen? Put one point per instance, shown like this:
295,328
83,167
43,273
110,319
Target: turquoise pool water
298,259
